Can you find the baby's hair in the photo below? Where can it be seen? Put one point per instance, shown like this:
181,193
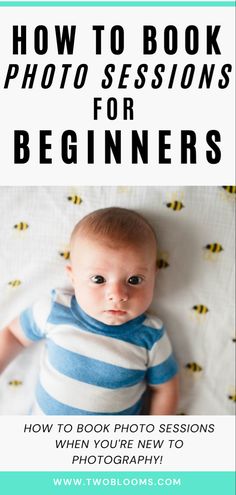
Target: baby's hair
116,226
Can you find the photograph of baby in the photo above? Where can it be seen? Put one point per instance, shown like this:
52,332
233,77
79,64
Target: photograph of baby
117,300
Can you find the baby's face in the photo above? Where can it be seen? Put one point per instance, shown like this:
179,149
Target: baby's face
113,285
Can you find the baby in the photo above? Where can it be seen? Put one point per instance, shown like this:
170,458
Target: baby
102,349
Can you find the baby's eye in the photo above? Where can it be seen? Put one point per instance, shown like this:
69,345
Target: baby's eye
135,280
98,279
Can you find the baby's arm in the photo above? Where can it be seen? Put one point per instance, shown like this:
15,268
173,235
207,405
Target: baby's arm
164,397
12,341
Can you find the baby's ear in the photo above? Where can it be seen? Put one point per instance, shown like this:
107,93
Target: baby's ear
69,271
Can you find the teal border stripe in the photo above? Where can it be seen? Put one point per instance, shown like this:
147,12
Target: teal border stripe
190,483
118,3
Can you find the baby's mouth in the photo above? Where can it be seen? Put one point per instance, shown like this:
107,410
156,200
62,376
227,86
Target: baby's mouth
115,311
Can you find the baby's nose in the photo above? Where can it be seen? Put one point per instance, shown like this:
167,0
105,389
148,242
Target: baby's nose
117,292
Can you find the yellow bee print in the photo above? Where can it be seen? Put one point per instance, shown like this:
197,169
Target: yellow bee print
21,226
161,263
14,283
228,193
194,367
76,200
175,205
200,309
214,247
65,255
15,383
211,251
230,189
232,397
175,201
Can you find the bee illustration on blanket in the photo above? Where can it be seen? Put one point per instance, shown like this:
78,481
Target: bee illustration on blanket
15,383
200,309
230,189
65,254
74,198
15,283
21,226
228,193
232,394
176,202
193,369
199,312
212,251
162,262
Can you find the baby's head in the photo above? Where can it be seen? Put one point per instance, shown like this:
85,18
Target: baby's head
113,264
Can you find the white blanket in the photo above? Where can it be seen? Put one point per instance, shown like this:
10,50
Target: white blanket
195,286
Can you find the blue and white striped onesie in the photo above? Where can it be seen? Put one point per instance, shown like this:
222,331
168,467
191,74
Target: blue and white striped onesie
88,367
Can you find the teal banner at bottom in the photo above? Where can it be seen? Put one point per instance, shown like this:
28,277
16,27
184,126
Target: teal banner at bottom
117,483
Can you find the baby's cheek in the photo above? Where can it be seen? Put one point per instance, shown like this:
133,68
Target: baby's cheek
147,297
91,296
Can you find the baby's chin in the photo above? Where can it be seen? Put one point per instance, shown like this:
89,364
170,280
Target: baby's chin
114,318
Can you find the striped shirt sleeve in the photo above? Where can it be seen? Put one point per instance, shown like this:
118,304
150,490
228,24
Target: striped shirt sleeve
33,319
162,365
